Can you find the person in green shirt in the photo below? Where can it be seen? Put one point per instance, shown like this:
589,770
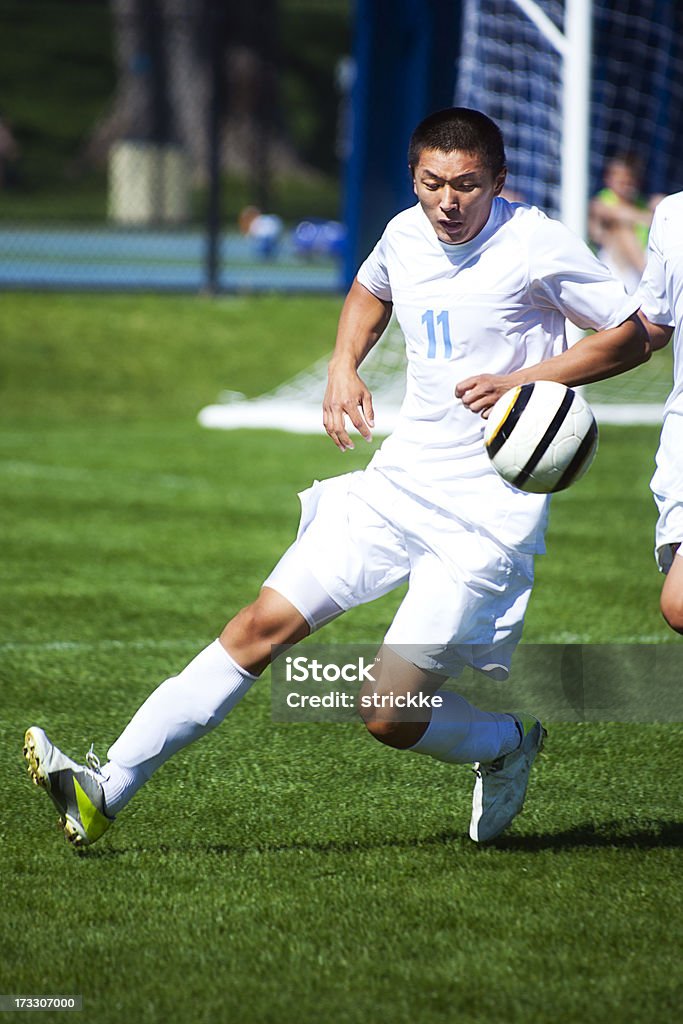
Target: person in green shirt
619,220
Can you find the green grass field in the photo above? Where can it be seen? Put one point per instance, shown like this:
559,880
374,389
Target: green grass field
278,873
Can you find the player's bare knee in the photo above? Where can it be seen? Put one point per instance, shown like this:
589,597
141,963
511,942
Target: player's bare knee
267,622
398,734
256,622
374,722
391,733
675,621
376,726
272,620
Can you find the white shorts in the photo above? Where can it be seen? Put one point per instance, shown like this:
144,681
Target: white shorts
361,536
669,531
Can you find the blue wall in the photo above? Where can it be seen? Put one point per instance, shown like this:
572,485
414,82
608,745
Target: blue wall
405,53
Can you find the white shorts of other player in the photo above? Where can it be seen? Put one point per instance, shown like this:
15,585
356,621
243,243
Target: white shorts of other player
361,536
669,531
667,490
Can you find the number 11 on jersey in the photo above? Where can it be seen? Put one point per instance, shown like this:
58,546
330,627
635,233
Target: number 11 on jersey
431,323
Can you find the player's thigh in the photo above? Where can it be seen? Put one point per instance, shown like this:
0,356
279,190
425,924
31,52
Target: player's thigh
668,538
351,552
463,607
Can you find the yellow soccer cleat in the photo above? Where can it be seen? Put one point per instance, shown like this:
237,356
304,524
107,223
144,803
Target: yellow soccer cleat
75,789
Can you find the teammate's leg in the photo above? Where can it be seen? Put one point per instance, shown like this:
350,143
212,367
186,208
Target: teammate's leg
671,601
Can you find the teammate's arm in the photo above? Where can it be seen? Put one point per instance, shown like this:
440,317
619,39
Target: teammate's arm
363,320
659,334
603,354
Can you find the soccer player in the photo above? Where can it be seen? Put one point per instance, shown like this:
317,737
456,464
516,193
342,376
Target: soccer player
661,294
481,289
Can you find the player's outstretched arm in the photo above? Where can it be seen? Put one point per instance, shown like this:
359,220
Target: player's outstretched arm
600,355
363,320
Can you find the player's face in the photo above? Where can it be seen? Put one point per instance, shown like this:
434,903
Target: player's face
456,191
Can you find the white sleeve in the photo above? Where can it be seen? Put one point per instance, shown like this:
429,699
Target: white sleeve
654,301
373,273
565,275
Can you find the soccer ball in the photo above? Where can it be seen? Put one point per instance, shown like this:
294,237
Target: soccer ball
541,437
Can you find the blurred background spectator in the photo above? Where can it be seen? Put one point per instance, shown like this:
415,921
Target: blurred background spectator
620,218
263,229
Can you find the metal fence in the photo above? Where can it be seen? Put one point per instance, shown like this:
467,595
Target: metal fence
172,144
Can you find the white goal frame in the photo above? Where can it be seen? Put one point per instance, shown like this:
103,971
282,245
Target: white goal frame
574,47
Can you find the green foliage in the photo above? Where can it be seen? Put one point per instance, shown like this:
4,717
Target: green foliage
58,78
293,872
313,39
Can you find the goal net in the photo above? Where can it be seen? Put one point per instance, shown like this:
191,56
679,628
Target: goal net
511,71
296,405
510,68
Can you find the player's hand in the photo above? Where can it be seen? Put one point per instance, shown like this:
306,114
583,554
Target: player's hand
482,392
347,395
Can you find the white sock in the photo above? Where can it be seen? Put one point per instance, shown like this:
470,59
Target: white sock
460,733
179,711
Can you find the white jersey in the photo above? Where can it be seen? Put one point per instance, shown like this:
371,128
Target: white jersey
494,304
661,295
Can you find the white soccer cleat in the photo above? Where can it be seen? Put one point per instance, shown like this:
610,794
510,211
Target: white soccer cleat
501,786
75,789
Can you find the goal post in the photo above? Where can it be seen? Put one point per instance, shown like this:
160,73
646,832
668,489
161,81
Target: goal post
573,45
576,97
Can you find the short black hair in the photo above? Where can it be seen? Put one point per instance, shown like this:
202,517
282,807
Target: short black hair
459,128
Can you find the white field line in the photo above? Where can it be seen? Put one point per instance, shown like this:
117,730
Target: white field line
77,474
307,419
79,646
83,646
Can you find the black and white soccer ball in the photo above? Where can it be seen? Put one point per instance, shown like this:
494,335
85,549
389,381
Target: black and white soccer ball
541,437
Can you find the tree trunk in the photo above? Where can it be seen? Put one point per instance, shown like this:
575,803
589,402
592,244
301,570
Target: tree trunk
162,51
